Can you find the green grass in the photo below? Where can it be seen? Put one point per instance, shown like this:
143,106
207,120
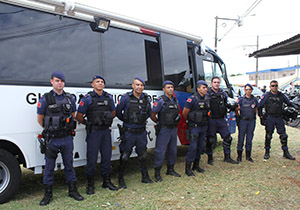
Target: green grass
272,184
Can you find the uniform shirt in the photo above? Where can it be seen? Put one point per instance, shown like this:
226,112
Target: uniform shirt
265,97
123,106
87,100
158,105
42,104
252,101
190,103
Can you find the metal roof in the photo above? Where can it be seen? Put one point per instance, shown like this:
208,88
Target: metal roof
290,46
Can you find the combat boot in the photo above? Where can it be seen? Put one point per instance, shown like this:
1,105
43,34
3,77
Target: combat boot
73,193
47,196
171,171
90,186
121,182
145,177
188,170
248,156
197,167
228,159
210,159
287,155
240,154
157,174
267,154
107,183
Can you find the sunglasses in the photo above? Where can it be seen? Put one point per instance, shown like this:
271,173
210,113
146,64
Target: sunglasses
248,89
274,85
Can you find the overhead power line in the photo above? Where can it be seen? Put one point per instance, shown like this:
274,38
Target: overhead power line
247,12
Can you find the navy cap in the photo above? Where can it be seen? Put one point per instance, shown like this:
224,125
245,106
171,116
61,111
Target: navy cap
59,75
98,77
167,82
201,82
250,86
141,80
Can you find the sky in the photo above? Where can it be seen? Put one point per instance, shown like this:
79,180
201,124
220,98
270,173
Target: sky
269,22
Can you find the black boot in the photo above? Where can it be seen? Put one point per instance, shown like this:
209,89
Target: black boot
197,167
157,174
47,196
73,193
267,154
188,170
145,176
122,167
228,159
171,171
210,159
248,156
90,186
287,155
107,183
121,182
239,158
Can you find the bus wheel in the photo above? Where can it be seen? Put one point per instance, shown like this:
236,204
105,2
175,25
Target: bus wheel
10,176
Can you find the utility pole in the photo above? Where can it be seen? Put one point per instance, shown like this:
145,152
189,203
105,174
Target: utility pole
256,75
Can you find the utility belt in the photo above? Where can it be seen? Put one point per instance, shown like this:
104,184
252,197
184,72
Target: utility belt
275,115
195,125
99,127
58,134
168,126
247,118
134,130
217,117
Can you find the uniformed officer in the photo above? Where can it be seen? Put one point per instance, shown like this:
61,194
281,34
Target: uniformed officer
99,108
217,123
196,112
167,109
246,112
56,112
134,109
273,102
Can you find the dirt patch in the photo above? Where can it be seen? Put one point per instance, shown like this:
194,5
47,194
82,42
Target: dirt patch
294,180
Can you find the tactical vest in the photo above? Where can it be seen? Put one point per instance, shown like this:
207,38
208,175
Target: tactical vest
100,113
58,117
200,113
168,116
217,104
247,109
274,104
137,112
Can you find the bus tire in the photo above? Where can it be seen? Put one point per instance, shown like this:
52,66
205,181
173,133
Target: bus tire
10,176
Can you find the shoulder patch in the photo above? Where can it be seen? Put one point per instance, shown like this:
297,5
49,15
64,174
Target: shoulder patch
81,103
155,104
189,100
39,105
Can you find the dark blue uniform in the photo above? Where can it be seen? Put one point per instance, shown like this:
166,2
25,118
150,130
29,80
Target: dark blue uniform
197,130
99,139
138,136
63,145
218,124
166,141
134,113
273,104
247,121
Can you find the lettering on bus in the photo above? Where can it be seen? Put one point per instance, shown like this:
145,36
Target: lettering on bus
33,98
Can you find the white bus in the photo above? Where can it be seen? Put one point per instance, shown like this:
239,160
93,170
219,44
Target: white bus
39,37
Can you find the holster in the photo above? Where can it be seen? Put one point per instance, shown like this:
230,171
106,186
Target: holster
157,129
51,152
